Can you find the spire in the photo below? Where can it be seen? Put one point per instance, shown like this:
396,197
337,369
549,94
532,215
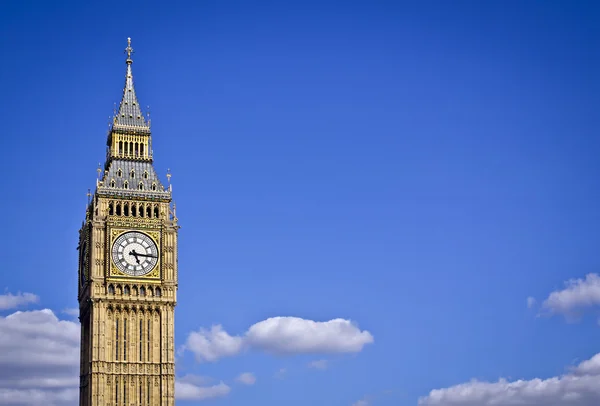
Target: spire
130,115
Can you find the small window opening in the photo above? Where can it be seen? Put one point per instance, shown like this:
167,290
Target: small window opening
112,183
111,289
126,185
127,291
142,291
148,211
157,292
133,210
141,186
119,172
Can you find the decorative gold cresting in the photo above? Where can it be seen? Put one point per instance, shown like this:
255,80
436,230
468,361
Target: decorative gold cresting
129,51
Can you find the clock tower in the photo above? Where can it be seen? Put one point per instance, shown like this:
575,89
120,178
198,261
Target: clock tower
128,271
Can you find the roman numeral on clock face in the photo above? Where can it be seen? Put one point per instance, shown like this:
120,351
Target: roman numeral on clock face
135,253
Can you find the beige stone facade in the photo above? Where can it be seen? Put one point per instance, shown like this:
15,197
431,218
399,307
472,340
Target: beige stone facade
127,298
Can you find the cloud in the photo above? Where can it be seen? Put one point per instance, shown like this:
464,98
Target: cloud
210,345
579,387
282,336
246,378
10,301
39,363
577,294
319,364
530,302
281,373
191,391
71,311
195,380
293,335
39,359
362,402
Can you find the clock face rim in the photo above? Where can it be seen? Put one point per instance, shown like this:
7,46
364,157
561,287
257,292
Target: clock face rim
139,235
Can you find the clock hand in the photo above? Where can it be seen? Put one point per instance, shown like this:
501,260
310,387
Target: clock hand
135,254
148,256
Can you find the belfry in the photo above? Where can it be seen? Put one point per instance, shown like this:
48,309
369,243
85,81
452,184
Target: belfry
128,270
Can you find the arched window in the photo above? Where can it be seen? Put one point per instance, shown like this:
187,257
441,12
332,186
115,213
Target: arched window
125,337
116,337
126,185
142,291
133,210
132,174
155,211
111,289
118,209
145,174
153,186
119,172
141,149
126,209
141,186
150,292
148,211
157,292
120,147
134,290
141,345
112,183
110,208
127,290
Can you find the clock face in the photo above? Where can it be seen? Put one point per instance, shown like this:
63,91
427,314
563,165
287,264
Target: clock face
135,253
83,263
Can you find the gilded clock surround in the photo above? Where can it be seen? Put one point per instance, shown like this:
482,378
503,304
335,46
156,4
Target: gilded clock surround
127,322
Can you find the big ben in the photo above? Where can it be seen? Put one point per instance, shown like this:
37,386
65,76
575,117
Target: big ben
128,270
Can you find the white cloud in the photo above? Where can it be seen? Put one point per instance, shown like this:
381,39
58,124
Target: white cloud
281,373
195,380
71,311
210,345
10,301
577,294
362,402
39,363
293,335
318,364
280,335
579,387
39,359
190,391
247,378
530,302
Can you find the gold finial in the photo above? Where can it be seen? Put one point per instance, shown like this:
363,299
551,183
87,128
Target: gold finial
129,51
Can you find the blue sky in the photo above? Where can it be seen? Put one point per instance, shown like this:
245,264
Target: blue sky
419,168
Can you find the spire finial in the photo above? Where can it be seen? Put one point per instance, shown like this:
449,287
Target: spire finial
129,51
